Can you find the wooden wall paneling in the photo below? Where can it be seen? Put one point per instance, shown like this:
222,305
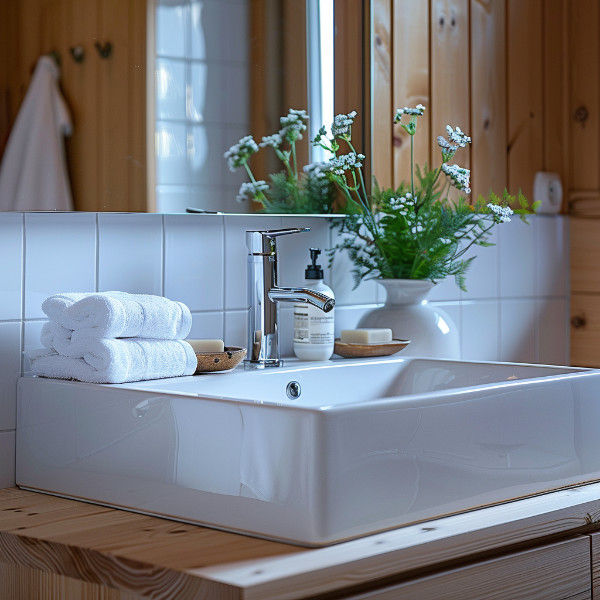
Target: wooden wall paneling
555,72
450,75
351,87
584,97
410,81
81,90
553,572
137,104
381,102
524,93
595,561
9,46
488,93
585,329
295,67
117,106
585,255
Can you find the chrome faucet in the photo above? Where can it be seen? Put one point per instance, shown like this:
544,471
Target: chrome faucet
264,294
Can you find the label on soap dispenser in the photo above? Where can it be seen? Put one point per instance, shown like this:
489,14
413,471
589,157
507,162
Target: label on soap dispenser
312,326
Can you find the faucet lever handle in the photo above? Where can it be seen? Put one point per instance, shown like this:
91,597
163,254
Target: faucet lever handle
263,241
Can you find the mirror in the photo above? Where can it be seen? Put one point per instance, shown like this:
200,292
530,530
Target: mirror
155,92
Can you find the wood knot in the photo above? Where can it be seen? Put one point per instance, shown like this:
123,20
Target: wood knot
442,21
378,40
397,141
581,114
486,124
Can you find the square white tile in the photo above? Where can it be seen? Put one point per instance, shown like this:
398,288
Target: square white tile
208,325
236,255
236,102
10,369
482,279
7,459
171,87
453,311
552,256
202,104
294,250
553,327
194,260
286,330
60,256
171,28
518,330
205,150
11,265
130,253
517,258
236,328
171,141
445,290
479,330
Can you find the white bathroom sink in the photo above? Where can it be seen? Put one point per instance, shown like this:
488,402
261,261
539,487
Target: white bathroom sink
368,445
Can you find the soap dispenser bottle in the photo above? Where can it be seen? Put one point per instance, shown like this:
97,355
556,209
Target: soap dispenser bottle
313,329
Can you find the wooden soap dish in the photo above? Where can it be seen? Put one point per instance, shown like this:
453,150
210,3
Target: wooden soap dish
210,362
365,350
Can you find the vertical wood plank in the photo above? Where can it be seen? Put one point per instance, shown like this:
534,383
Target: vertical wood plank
136,107
450,82
524,91
82,150
555,91
382,110
488,93
410,81
584,95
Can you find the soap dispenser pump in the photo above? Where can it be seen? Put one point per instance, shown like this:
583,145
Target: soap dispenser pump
313,329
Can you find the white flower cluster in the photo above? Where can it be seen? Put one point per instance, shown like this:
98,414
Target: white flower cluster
316,170
293,124
502,214
446,146
461,177
417,111
445,241
402,204
344,162
342,124
239,153
274,140
251,189
457,136
418,228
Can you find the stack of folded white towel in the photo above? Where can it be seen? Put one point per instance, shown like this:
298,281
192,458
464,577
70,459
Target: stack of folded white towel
114,337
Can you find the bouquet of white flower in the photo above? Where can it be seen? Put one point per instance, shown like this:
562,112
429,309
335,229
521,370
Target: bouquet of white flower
288,191
414,231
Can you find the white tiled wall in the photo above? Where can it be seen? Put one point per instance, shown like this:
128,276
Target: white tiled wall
516,307
201,46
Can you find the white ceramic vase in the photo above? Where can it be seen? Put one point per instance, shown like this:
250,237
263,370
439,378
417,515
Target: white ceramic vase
431,332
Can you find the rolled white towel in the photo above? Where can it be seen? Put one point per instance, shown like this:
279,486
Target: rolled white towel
120,315
118,361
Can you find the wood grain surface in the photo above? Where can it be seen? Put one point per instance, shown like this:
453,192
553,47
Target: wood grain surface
158,558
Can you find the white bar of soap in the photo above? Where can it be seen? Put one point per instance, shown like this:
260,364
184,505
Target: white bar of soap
366,336
207,345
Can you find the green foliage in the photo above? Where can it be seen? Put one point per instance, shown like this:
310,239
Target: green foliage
305,195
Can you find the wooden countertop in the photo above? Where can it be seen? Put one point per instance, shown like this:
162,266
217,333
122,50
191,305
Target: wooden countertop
145,555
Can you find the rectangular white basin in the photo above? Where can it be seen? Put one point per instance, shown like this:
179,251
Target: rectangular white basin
368,445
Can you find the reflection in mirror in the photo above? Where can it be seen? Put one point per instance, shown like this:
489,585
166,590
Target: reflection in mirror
227,69
134,103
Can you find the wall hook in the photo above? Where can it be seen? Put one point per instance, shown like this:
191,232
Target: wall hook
77,53
104,50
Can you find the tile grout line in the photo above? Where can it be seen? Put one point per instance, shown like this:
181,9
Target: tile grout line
163,255
224,286
97,254
22,330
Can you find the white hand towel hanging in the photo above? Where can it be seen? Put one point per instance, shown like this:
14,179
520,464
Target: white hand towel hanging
33,174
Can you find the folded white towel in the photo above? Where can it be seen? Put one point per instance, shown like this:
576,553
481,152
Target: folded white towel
120,315
118,361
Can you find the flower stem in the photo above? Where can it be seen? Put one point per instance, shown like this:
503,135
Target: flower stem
412,166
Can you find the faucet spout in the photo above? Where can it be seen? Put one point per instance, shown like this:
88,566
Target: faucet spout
292,294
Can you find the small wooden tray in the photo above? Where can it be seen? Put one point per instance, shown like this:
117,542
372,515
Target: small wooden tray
211,362
365,350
